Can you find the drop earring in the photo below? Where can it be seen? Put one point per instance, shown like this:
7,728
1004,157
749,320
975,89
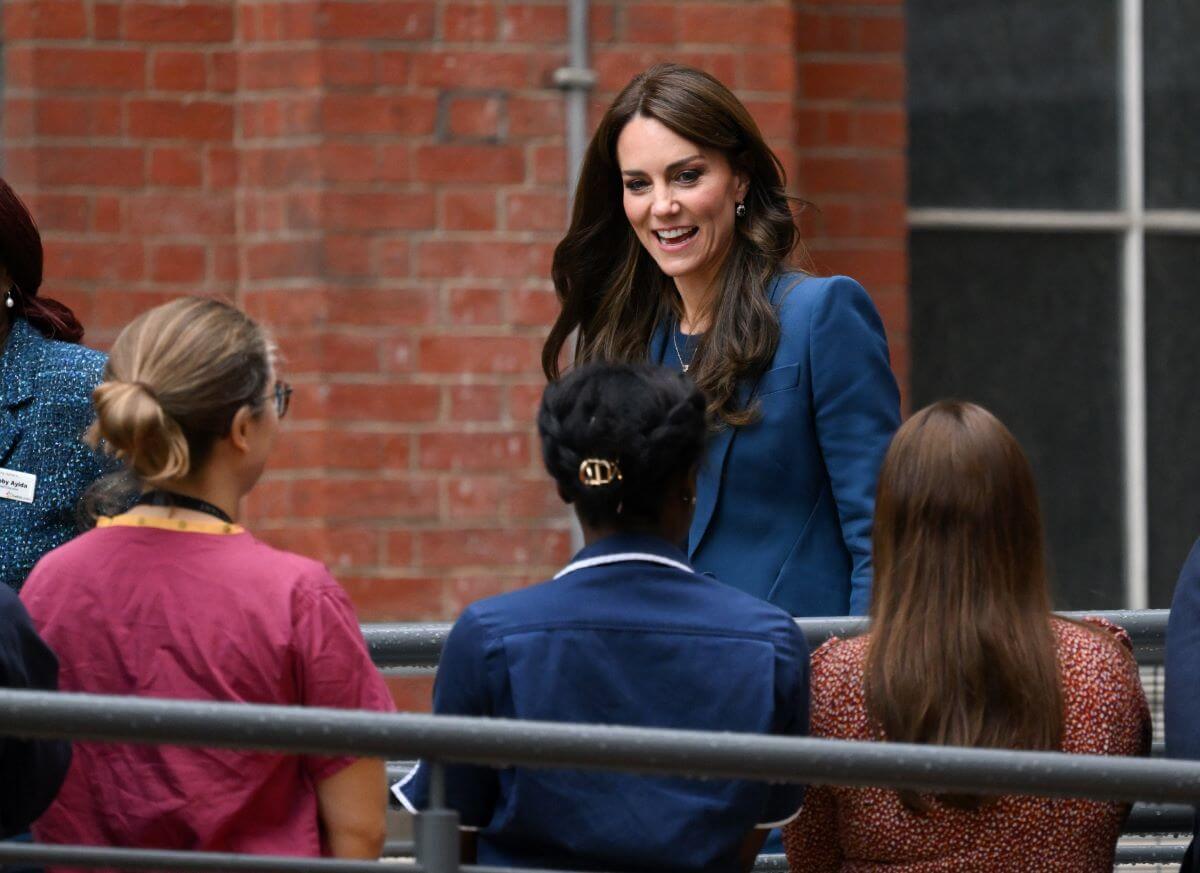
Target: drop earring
740,211
9,303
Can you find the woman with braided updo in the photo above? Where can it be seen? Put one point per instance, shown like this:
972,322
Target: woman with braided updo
628,633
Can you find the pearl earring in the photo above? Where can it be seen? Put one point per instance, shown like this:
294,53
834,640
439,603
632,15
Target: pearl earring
8,300
740,212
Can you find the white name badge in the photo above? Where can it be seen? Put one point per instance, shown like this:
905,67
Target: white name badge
15,485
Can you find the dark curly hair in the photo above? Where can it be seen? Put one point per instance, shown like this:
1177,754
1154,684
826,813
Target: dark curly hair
649,420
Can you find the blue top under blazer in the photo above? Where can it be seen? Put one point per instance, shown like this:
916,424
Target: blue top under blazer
784,506
45,407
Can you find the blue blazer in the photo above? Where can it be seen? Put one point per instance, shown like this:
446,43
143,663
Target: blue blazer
784,506
45,407
1181,700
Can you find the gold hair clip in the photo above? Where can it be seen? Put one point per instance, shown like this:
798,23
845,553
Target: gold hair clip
598,471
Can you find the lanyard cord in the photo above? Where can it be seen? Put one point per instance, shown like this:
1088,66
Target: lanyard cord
158,497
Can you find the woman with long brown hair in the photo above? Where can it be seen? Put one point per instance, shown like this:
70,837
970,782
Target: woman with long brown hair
964,651
678,254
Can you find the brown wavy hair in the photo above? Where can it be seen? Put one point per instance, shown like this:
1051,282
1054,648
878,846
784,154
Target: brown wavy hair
961,650
609,286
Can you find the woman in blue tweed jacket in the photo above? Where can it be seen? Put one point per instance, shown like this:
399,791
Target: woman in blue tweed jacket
46,382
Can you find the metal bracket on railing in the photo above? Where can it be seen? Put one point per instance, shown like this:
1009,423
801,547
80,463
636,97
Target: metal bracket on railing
572,78
435,830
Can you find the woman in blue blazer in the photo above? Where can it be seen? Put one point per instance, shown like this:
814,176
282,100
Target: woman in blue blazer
677,253
46,382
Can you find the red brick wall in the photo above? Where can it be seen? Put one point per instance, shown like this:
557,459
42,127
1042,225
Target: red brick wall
382,181
851,140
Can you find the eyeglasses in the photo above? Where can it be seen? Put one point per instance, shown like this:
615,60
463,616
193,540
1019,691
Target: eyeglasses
282,395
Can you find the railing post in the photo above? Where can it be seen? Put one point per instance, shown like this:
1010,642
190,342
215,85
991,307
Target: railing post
435,830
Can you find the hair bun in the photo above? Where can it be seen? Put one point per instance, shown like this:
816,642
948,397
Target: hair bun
134,426
614,434
147,390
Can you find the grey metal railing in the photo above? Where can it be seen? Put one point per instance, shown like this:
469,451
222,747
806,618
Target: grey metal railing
420,645
499,742
506,742
502,743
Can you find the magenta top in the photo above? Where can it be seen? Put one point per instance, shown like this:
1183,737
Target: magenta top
194,611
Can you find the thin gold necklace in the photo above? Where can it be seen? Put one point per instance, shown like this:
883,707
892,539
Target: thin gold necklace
675,339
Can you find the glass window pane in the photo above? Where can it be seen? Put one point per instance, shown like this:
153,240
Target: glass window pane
1172,407
1172,30
1013,104
1027,326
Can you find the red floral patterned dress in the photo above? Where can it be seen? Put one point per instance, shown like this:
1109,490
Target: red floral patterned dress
854,830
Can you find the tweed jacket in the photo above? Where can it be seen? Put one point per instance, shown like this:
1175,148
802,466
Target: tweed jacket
45,407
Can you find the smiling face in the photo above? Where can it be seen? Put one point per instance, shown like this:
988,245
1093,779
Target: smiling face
680,200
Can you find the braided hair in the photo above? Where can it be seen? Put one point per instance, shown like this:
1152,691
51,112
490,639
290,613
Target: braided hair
647,421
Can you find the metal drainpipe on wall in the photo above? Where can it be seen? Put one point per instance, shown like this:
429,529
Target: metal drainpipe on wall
576,80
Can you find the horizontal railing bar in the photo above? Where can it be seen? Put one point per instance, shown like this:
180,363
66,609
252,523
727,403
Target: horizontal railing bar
420,645
771,864
1149,854
1159,818
1144,818
505,742
1124,855
86,857
160,859
399,849
217,862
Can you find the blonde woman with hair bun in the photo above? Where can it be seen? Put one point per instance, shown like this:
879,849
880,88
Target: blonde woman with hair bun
174,599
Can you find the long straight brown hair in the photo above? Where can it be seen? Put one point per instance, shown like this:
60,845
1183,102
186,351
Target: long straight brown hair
961,650
610,287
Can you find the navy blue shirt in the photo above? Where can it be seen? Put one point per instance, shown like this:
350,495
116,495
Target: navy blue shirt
1181,701
627,634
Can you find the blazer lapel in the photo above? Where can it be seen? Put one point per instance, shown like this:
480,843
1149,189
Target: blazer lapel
712,470
17,365
712,473
9,431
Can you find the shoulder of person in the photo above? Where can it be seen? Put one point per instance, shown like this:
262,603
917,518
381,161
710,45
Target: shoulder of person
494,613
747,612
797,295
839,659
12,612
68,369
1189,574
1093,640
77,552
838,651
307,576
